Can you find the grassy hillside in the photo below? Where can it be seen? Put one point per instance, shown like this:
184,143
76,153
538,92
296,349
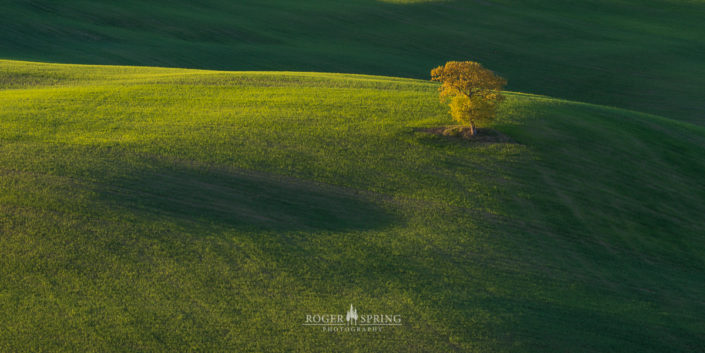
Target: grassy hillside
644,55
165,209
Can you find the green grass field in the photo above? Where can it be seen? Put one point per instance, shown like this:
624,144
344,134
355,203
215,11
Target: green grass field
146,209
644,55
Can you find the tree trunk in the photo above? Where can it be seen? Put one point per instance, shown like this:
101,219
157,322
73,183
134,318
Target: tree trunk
473,130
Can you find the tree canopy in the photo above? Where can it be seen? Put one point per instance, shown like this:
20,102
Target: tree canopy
472,91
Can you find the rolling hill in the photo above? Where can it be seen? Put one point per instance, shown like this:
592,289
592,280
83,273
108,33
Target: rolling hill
644,55
156,209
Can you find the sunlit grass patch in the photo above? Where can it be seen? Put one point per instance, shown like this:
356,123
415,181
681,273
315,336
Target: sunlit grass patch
157,209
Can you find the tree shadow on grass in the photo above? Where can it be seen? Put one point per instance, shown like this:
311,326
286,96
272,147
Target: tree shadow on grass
247,200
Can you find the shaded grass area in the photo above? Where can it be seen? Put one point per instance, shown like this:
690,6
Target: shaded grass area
642,55
174,210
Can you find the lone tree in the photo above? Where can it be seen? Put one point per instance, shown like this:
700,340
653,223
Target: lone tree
473,91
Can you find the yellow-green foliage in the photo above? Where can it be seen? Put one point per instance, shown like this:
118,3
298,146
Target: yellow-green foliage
474,92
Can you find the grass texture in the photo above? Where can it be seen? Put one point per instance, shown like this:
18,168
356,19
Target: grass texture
146,209
644,55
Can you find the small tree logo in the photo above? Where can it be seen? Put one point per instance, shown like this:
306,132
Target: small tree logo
351,316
